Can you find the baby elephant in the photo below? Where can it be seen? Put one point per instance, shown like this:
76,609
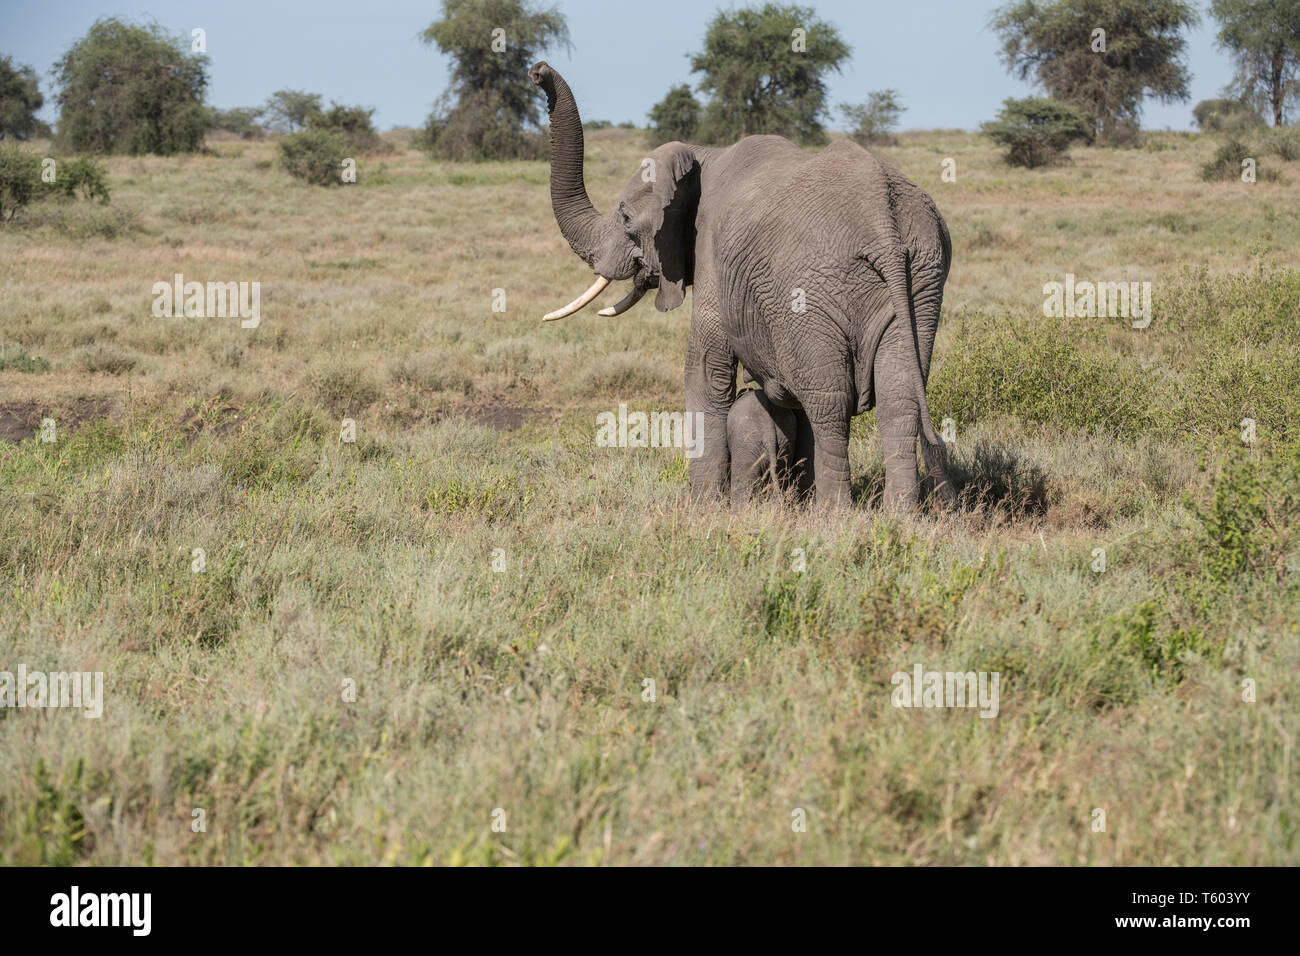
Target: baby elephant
762,439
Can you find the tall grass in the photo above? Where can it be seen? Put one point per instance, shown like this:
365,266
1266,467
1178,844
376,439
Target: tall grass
498,590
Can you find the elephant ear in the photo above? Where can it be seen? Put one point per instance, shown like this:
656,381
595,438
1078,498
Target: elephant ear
677,195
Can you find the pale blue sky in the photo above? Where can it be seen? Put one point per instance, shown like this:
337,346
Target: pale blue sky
937,53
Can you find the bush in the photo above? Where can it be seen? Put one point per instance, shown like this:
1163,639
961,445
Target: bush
480,127
675,117
1036,131
103,357
21,182
873,123
83,177
1284,143
1037,372
351,123
20,178
81,221
1226,116
1251,523
315,156
15,358
1227,161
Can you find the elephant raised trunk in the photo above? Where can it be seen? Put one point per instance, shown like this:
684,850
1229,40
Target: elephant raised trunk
577,217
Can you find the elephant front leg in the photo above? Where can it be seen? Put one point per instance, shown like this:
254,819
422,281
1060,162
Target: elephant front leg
710,391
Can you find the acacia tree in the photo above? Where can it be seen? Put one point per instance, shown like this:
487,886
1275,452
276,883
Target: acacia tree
873,123
131,89
20,98
1263,37
1105,76
764,72
675,117
490,109
288,110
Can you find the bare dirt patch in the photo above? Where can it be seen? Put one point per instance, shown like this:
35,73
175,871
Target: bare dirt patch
500,416
22,420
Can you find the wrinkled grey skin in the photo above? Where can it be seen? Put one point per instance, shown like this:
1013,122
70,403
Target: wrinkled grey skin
749,226
761,438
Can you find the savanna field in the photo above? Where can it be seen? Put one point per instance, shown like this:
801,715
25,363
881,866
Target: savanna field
1122,558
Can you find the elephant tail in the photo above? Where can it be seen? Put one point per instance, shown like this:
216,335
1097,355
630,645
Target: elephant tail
889,259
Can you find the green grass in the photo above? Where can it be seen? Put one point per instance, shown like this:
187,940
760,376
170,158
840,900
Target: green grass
374,563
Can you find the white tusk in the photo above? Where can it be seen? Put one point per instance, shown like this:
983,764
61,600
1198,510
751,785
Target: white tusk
625,303
596,289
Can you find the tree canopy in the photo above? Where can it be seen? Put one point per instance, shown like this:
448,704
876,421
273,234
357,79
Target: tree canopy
288,110
764,72
675,117
873,122
1105,75
1263,37
20,98
491,103
126,88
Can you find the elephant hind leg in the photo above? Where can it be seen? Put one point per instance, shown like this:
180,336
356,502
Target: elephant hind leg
936,464
899,415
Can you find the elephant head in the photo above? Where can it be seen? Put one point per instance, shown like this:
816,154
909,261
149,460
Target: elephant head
648,237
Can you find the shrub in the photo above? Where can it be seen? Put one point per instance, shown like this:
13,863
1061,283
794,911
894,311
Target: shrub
1227,161
351,123
15,358
1226,116
480,127
103,357
315,156
344,388
1251,523
20,178
1038,373
873,123
83,177
82,221
1036,131
1284,143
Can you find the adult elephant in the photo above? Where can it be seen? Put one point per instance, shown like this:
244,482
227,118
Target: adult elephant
821,273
